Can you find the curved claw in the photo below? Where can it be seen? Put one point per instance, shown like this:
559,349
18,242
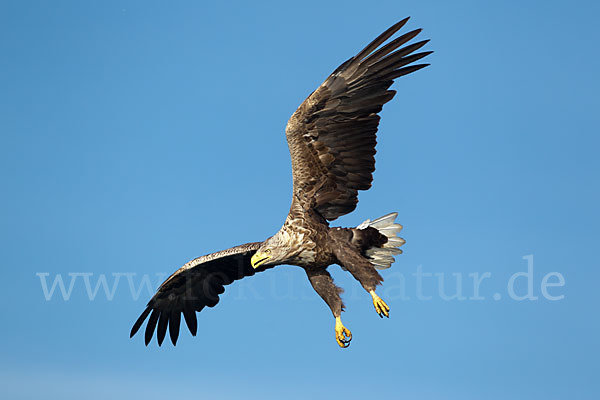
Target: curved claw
343,336
381,308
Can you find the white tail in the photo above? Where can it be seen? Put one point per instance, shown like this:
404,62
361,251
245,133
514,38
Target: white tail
383,257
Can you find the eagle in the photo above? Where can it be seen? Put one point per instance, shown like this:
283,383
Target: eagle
331,139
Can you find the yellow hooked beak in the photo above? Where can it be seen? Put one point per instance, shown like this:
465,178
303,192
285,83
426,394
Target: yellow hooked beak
259,258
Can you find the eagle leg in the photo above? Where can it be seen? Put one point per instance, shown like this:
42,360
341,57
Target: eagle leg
366,274
342,334
380,306
349,257
323,284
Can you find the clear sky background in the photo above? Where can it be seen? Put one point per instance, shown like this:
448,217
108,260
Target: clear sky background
137,135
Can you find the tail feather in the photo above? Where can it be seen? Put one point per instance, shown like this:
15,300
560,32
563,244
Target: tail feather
394,241
382,257
384,221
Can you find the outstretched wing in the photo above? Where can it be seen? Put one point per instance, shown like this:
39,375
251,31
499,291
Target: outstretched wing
192,287
332,135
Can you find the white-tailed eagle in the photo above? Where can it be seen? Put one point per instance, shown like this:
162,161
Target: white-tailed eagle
331,137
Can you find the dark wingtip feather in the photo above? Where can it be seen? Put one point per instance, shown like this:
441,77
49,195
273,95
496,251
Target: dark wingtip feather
161,331
139,322
381,38
401,23
418,56
190,320
415,46
391,46
405,71
151,326
174,327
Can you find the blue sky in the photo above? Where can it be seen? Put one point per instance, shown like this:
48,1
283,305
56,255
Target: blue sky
139,135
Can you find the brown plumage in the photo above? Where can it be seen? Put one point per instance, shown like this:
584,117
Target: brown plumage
331,137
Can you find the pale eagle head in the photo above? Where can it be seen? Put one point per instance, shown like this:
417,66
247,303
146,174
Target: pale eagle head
273,251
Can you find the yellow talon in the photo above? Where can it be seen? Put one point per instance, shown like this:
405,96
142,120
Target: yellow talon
342,334
380,306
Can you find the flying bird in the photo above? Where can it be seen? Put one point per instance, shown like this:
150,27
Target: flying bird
331,138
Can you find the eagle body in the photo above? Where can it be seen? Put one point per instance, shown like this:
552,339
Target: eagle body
331,139
305,240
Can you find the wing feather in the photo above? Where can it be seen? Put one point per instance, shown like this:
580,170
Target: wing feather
174,327
332,135
194,286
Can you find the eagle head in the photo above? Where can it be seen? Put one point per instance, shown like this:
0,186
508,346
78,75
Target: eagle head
273,251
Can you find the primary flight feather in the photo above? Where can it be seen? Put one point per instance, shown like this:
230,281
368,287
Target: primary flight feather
331,137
